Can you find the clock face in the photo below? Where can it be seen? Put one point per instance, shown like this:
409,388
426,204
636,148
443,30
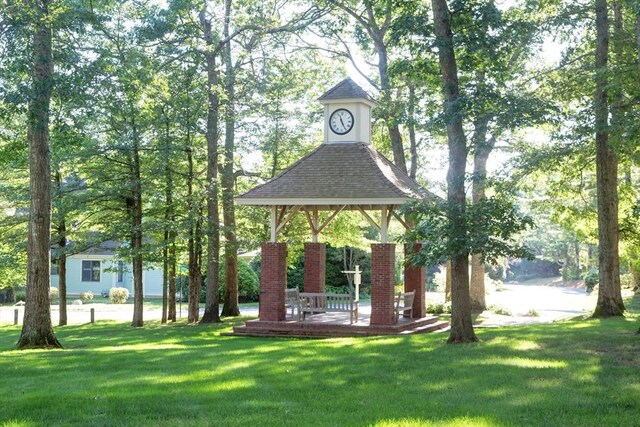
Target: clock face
341,121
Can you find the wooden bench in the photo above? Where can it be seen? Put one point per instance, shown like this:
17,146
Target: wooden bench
292,301
316,303
404,303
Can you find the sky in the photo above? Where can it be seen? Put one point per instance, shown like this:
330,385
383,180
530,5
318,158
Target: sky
433,165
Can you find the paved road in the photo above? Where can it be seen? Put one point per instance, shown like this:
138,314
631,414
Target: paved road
550,302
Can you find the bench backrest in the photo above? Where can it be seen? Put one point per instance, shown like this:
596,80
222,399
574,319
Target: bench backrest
331,302
405,300
292,296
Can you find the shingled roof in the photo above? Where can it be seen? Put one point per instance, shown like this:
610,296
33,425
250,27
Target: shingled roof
338,174
346,89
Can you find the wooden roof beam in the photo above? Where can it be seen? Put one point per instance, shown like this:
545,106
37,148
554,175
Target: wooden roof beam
333,215
368,217
286,219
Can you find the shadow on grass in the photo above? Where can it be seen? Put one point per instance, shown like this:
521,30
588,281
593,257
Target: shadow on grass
570,373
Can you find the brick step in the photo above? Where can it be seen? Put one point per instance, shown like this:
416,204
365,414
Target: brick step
294,329
316,326
266,333
437,326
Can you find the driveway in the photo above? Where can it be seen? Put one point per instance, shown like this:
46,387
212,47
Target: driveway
536,301
550,303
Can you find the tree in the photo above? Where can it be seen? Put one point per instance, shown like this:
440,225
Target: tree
230,306
609,294
212,301
461,324
37,330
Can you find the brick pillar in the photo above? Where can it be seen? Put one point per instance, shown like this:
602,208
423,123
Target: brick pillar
383,257
314,267
273,281
414,280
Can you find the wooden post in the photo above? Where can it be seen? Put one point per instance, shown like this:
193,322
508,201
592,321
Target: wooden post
384,225
274,233
93,315
15,316
314,234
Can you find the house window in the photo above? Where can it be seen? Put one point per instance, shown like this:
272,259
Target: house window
55,268
120,271
90,271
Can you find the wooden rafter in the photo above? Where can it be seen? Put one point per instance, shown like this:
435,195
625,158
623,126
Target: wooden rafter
401,220
310,221
287,218
368,217
283,210
333,215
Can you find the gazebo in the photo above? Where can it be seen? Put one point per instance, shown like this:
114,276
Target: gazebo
344,173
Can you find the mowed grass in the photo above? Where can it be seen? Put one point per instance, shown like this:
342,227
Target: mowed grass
577,373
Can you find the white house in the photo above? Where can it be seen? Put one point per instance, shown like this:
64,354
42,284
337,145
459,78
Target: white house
97,270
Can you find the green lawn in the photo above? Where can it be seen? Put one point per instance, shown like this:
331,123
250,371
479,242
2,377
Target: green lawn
578,373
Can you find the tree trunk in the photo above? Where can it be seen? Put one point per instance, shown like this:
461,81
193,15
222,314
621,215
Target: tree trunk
212,303
447,282
638,33
62,277
477,288
565,262
390,115
37,330
168,224
194,270
576,251
413,144
61,257
165,278
171,316
609,293
136,232
482,150
461,323
635,275
195,276
230,307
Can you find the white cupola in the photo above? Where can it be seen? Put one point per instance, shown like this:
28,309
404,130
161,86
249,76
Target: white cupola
347,114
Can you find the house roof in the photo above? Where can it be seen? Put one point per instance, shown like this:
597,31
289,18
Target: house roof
104,248
108,247
346,89
338,174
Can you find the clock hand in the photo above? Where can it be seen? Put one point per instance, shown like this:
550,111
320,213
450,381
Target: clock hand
345,126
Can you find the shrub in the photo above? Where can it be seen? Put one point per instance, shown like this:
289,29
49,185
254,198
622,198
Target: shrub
626,281
495,272
590,279
77,302
439,308
86,296
53,293
20,296
499,310
118,295
248,282
532,313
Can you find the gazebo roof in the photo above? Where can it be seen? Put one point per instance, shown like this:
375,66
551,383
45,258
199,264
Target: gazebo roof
346,89
352,174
